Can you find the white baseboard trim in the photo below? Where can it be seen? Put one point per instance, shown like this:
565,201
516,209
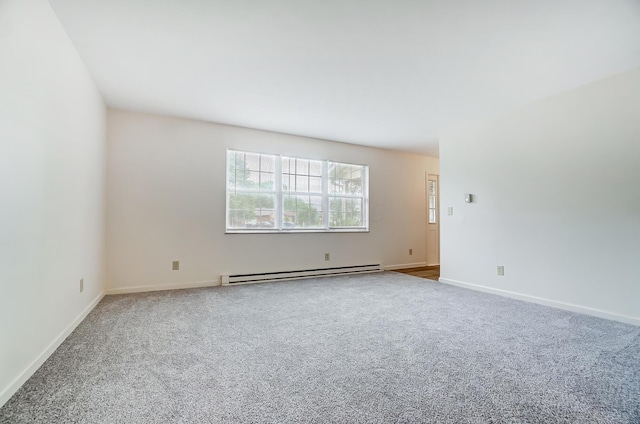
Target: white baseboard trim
160,287
13,387
547,302
403,266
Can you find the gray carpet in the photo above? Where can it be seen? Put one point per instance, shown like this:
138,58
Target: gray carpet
376,348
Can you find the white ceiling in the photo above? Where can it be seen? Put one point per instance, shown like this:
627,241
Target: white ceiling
384,73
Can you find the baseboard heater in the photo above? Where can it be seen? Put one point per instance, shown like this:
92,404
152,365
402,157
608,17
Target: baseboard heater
228,280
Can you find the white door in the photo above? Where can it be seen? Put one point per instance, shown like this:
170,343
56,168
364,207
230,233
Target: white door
433,220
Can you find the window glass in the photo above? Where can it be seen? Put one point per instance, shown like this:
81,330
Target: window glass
433,201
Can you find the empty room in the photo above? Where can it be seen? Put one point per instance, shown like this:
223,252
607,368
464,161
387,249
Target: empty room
347,211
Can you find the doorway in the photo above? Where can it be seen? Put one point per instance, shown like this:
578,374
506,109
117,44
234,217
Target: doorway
433,219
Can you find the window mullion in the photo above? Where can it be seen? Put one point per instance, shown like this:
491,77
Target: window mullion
227,188
278,186
325,194
365,196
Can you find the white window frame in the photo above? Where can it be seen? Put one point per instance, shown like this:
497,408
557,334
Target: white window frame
280,194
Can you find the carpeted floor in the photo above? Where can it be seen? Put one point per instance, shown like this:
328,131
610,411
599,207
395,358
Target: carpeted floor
376,348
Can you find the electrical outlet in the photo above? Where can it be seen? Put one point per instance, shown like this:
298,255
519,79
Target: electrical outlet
326,256
176,265
500,270
410,251
450,210
81,285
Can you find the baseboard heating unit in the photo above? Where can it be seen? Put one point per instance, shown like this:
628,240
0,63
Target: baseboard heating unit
228,280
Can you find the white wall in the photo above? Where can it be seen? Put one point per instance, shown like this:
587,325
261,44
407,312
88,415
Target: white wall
52,142
557,200
166,201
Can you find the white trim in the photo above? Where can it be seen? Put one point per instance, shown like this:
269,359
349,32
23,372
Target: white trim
13,387
403,266
547,302
159,287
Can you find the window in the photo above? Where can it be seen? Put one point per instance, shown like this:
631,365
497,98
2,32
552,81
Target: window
251,193
273,193
433,201
346,200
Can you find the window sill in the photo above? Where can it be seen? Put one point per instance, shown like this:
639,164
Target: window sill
301,231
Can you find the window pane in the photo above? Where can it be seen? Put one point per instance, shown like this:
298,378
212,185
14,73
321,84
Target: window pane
432,216
250,171
302,211
286,182
333,170
238,173
301,175
251,210
345,212
432,202
302,183
315,184
302,167
335,186
253,161
285,164
432,188
315,168
267,163
345,179
267,181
